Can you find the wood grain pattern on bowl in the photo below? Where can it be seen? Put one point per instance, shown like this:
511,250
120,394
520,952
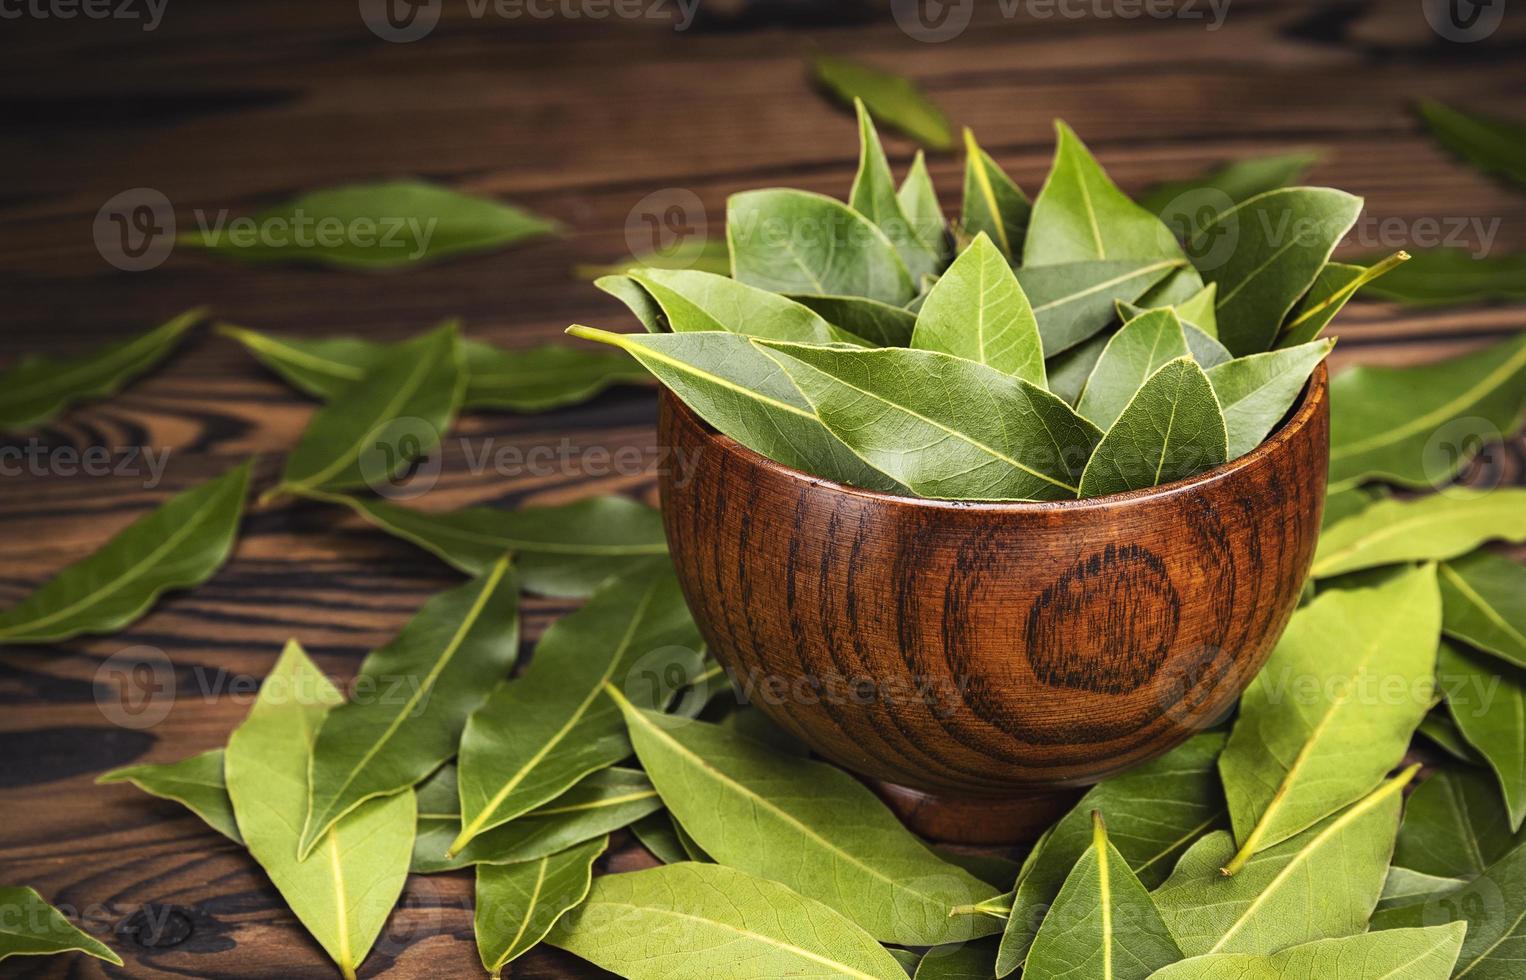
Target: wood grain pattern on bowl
970,651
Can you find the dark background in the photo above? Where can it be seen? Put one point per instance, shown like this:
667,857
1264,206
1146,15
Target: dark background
241,105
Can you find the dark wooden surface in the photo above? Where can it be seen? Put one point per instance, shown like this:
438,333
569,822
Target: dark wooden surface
240,104
993,651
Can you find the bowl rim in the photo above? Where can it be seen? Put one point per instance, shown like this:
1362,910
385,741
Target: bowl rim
1314,397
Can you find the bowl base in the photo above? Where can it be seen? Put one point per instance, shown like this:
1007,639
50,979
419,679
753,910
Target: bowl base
968,820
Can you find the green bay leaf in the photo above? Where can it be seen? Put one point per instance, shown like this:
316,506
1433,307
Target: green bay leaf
37,388
807,825
700,301
1447,276
1317,728
412,699
657,834
1336,283
1408,954
372,429
959,961
517,904
1321,884
1405,887
737,388
1419,426
1483,603
977,311
1074,301
875,323
1454,826
1256,391
1487,700
195,783
892,99
32,927
1102,923
1431,528
874,195
1186,205
1140,347
640,302
919,202
540,733
181,543
707,920
1491,144
343,892
1491,906
372,227
943,426
993,203
1170,429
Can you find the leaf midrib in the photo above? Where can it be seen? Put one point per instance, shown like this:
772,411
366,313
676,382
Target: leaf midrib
1482,604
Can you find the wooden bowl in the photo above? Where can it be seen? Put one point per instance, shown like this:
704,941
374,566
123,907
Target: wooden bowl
977,660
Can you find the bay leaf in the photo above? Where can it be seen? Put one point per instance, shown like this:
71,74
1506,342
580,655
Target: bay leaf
1206,350
345,890
977,311
993,203
1336,283
195,783
1450,276
1154,812
539,734
874,195
1183,284
993,869
907,958
1102,923
737,388
563,551
807,825
372,429
1333,710
640,302
32,927
37,388
1080,215
1405,887
1256,391
1483,603
959,961
1487,700
1491,906
1171,429
600,803
412,698
1409,954
378,226
320,367
1454,826
1321,884
942,425
1419,426
181,543
657,834
517,904
1136,351
875,323
692,252
919,202
1439,729
1075,300
893,99
708,920
1067,371
1431,528
1200,310
1265,253
790,241
1342,504
1186,205
699,301
1491,144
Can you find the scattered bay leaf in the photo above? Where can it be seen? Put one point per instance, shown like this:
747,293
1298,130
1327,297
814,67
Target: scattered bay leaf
1431,528
1454,826
181,543
1405,887
32,927
1449,276
373,227
37,388
942,425
1409,954
1170,429
657,834
412,699
959,961
1492,145
993,203
517,904
1487,700
708,920
1483,602
195,783
1256,391
892,99
1491,907
977,311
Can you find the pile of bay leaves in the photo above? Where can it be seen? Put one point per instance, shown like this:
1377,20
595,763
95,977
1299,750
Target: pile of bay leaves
1292,842
1113,357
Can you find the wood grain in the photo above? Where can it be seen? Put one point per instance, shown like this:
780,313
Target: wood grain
241,104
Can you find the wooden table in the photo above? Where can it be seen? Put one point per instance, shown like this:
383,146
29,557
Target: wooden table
239,105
